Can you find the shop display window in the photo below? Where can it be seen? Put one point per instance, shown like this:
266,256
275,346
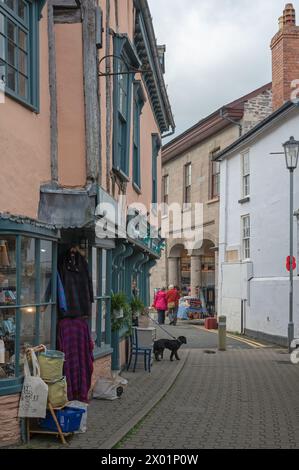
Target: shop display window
27,300
101,296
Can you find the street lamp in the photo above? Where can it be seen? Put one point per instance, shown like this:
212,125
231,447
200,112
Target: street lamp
291,150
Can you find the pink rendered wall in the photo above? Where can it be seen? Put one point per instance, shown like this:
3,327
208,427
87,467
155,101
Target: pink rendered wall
124,23
25,144
70,105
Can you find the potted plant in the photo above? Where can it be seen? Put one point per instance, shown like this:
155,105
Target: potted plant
137,306
118,304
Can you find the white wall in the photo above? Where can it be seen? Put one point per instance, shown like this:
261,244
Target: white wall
267,292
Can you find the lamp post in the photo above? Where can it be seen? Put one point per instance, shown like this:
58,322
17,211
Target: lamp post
291,150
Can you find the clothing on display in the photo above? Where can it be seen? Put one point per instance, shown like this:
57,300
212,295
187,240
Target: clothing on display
77,284
74,340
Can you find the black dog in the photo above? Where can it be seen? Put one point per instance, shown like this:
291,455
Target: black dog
172,344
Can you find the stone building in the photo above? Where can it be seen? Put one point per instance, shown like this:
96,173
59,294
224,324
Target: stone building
189,175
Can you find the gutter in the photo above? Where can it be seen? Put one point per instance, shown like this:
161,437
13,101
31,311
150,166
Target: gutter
144,8
256,131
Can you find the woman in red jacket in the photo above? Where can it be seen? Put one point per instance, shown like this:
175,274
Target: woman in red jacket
160,304
173,298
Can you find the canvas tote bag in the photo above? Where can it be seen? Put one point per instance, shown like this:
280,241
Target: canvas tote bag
33,402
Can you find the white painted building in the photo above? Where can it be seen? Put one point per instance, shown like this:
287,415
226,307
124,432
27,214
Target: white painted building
254,207
254,230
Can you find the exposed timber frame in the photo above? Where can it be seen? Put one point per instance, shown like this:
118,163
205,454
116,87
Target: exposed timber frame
108,96
53,95
91,92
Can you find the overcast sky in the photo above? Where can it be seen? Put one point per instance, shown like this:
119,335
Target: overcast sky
216,51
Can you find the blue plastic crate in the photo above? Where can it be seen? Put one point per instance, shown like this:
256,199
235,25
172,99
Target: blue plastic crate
69,419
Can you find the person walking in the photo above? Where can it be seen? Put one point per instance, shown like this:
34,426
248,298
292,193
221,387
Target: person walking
160,304
173,298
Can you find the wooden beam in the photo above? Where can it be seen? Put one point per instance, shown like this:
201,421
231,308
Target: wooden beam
53,95
108,97
67,15
91,92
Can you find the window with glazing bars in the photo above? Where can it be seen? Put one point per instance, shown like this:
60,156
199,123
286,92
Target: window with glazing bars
246,174
165,193
18,49
246,237
215,176
187,183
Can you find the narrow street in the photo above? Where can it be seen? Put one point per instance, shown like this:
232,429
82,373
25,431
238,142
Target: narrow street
245,397
241,398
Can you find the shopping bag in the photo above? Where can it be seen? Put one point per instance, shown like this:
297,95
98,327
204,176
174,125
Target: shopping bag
109,388
57,392
80,406
51,365
33,402
170,305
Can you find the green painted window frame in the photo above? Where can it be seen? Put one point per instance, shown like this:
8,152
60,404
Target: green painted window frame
13,385
156,145
138,100
102,297
30,27
125,59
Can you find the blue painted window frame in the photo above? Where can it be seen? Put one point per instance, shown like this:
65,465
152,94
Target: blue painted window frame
125,59
30,27
156,145
139,100
7,228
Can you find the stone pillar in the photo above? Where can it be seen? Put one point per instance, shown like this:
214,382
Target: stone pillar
195,274
173,271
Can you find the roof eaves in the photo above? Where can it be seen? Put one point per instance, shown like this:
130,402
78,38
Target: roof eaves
284,109
232,105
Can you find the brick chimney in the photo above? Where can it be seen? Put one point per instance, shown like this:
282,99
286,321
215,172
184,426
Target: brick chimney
285,57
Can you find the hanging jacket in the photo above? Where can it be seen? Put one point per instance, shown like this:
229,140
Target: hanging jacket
160,302
77,284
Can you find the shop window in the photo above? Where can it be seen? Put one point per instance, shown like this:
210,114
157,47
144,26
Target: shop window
100,307
26,299
19,49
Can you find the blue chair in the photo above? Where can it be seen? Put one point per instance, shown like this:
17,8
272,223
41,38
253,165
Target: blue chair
137,350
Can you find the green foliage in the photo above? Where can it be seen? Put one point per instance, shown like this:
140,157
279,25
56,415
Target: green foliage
136,305
118,302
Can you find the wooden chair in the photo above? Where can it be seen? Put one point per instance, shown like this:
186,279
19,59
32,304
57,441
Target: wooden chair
136,350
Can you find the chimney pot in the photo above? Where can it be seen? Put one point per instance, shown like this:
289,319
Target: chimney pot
289,15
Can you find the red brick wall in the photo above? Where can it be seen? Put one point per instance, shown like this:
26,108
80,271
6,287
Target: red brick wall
101,368
285,58
9,422
122,353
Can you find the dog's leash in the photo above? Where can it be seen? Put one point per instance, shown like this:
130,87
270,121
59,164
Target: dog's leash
173,337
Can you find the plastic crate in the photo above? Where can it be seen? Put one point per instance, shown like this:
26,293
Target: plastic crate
69,419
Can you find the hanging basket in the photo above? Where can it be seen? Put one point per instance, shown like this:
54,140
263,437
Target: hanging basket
118,313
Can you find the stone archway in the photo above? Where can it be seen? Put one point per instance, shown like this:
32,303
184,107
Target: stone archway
174,255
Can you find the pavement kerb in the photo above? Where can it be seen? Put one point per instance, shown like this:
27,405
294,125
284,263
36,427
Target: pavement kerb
250,342
123,431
